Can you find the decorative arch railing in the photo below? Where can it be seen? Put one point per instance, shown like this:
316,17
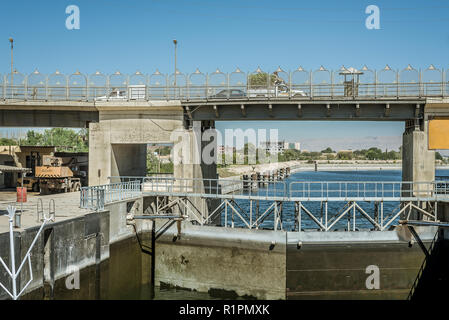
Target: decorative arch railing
409,84
300,80
217,82
432,80
97,85
57,87
77,86
322,83
197,86
158,86
36,88
343,83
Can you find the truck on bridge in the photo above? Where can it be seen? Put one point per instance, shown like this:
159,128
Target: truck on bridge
277,91
135,92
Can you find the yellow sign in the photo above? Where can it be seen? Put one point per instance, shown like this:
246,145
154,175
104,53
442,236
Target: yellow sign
439,134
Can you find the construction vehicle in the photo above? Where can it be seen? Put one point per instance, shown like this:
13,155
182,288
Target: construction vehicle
55,177
29,179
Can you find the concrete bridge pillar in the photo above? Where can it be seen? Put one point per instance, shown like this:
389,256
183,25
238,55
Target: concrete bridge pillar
418,162
194,154
118,142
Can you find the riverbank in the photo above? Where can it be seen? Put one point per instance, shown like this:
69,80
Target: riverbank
235,171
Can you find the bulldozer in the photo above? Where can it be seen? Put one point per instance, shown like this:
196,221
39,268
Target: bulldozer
56,177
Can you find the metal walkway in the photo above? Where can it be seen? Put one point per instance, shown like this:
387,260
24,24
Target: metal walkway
325,206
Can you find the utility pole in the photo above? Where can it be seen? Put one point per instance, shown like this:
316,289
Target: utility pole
175,42
11,40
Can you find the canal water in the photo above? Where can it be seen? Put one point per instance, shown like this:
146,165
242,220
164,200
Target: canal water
301,187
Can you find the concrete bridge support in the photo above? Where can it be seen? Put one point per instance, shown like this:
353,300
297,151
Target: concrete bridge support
118,143
195,150
418,162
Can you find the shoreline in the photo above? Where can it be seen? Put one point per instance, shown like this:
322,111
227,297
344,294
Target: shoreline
298,166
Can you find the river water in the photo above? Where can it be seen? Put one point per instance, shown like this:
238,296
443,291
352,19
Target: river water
301,186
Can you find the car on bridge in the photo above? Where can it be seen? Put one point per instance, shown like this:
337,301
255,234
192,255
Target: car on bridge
228,94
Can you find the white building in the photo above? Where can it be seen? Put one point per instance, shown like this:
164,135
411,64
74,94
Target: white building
297,146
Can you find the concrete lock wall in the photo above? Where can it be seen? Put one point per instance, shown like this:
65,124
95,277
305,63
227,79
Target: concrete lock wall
337,265
218,259
100,245
290,265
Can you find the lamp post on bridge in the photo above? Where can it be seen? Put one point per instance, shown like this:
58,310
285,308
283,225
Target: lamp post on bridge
175,42
11,41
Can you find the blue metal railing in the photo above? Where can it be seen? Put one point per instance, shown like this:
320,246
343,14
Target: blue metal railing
96,197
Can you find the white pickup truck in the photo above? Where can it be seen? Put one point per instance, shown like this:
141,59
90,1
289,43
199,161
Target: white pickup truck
280,90
135,92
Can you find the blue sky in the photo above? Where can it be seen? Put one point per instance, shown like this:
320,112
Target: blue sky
137,35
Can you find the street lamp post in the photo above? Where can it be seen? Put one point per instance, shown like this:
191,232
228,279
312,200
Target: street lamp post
175,43
11,40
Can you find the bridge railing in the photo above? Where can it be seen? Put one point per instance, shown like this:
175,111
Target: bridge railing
300,190
159,185
298,84
367,190
340,204
95,197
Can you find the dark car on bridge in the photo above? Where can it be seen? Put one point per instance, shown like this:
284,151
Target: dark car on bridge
228,94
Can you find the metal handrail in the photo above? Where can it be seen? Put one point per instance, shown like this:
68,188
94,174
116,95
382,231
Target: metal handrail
407,194
95,197
89,89
302,190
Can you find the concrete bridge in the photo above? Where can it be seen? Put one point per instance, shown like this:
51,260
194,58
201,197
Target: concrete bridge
126,112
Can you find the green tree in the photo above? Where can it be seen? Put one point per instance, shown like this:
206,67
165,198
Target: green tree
8,142
374,154
327,150
64,139
438,156
260,79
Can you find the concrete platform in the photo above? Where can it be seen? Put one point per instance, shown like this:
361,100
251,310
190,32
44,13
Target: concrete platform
66,207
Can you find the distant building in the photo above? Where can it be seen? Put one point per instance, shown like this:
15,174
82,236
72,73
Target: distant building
297,146
273,147
292,146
